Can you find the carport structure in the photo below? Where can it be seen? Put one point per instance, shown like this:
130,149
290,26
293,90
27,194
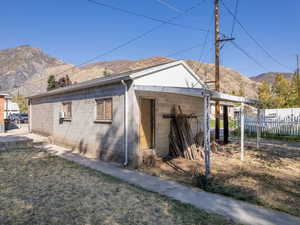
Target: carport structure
208,96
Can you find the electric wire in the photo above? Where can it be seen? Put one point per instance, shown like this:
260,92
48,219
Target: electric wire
252,38
170,6
144,16
248,55
128,42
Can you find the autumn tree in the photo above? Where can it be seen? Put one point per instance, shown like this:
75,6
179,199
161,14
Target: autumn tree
282,92
22,103
265,95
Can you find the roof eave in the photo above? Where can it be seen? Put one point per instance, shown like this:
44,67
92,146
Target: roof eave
81,86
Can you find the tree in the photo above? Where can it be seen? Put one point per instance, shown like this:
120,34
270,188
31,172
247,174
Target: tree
265,95
22,103
62,82
52,84
282,92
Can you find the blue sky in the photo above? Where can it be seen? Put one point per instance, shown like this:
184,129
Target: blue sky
79,30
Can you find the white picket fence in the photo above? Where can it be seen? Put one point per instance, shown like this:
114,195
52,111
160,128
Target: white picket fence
288,126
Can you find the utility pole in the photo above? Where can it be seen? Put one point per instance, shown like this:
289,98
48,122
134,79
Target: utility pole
298,79
217,70
218,40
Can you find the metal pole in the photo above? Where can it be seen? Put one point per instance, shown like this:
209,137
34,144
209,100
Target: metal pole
207,134
226,125
242,130
258,128
298,80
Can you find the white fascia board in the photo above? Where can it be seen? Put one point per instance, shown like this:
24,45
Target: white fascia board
196,92
230,98
166,66
194,74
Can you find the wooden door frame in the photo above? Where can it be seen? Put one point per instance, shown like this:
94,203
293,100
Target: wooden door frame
153,120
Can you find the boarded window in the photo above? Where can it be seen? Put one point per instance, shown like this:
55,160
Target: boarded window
67,110
104,109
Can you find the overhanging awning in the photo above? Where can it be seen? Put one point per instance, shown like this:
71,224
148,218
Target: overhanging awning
197,92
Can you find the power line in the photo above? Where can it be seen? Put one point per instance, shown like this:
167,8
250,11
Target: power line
185,50
235,15
169,5
145,16
135,38
253,39
248,55
206,38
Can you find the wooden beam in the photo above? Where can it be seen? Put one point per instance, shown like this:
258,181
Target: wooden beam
226,124
172,115
242,121
207,135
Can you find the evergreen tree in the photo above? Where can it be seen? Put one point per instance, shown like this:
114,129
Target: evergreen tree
52,84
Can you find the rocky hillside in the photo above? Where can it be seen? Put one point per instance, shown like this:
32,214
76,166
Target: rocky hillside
36,81
17,65
270,77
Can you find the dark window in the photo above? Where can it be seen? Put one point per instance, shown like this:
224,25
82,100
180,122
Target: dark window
104,109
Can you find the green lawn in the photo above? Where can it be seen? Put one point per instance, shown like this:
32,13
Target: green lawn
37,188
232,124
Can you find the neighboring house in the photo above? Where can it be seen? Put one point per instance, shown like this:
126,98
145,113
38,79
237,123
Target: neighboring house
282,114
118,117
10,107
2,110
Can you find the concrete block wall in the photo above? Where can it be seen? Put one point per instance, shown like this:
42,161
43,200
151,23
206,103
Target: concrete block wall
164,105
82,133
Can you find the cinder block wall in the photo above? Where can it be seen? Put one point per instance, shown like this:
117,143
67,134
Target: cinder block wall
164,105
2,105
82,133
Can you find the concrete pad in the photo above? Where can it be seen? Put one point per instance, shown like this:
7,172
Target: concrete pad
237,210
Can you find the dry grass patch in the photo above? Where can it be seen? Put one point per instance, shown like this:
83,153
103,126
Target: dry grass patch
37,188
269,176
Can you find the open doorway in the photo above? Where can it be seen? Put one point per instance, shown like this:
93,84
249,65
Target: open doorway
147,124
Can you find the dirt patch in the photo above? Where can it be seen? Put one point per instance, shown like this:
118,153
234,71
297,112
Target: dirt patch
37,188
269,176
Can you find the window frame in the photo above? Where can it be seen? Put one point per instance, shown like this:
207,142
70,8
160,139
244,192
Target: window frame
96,110
67,118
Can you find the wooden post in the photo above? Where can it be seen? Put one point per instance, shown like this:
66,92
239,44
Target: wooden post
258,128
242,130
217,69
207,134
226,125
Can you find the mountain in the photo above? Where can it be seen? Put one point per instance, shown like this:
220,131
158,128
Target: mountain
270,77
35,68
20,64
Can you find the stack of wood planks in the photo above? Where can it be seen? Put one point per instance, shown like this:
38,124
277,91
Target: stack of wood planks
182,142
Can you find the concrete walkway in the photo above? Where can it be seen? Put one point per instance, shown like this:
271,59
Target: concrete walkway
237,210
